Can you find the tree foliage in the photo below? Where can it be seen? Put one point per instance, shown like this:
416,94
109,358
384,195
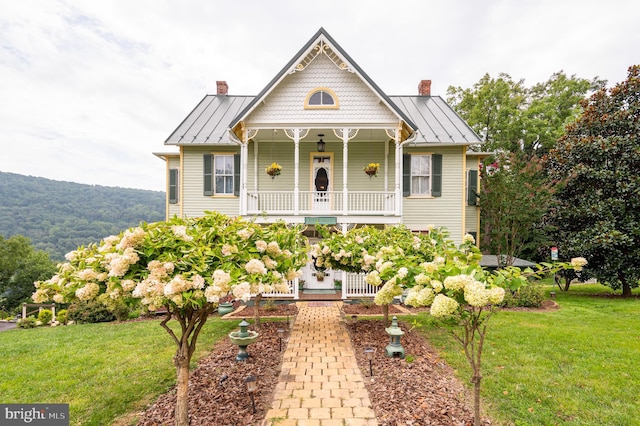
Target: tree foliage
512,117
514,198
20,267
598,212
58,216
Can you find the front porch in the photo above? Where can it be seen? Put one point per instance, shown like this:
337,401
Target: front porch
295,203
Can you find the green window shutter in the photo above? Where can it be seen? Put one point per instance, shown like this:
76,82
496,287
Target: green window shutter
436,173
406,175
472,188
236,175
173,186
208,174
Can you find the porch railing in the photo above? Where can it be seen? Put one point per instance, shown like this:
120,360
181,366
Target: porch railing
292,294
330,202
354,285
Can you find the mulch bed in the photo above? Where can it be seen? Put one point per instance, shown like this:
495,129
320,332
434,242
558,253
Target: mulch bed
216,400
423,391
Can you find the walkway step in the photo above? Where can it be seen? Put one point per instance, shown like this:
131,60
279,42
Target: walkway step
320,383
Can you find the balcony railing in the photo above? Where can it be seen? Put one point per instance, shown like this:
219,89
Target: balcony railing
330,202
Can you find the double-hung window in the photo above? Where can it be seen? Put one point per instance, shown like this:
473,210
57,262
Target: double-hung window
221,174
422,175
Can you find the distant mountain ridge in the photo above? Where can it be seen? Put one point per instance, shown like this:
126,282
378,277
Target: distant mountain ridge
60,216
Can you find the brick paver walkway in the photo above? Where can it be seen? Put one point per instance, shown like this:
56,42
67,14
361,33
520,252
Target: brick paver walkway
320,383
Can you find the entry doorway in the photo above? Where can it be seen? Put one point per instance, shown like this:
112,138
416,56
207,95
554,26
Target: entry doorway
322,182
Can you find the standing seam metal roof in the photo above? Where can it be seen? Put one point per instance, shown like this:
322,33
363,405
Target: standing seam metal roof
436,121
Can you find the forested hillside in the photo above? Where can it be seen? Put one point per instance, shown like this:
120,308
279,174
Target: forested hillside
60,216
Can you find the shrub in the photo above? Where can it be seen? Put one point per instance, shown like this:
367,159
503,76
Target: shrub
29,322
269,305
45,316
3,314
90,312
61,316
527,296
121,311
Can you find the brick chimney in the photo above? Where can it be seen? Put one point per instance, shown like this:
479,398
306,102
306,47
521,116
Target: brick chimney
424,88
223,87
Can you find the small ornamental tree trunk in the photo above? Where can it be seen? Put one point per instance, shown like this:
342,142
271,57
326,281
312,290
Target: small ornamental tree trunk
181,362
385,313
191,322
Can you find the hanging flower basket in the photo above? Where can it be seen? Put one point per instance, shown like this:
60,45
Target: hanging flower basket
372,169
273,170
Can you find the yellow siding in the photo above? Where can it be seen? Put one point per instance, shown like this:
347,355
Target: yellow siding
195,203
445,211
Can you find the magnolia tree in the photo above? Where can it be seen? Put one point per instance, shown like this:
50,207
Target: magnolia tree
439,274
183,266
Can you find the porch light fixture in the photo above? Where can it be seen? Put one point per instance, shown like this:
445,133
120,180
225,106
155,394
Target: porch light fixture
321,143
252,386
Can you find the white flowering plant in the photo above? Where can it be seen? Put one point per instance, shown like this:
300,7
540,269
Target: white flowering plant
183,266
437,273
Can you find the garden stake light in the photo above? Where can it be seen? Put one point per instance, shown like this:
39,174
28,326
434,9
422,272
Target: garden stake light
354,319
252,386
369,351
280,337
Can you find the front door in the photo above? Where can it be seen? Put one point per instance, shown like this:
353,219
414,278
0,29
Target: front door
321,183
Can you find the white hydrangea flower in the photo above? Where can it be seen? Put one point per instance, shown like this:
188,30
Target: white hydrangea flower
180,231
88,292
255,266
468,238
261,245
443,306
373,278
402,272
578,263
457,282
496,295
245,234
476,294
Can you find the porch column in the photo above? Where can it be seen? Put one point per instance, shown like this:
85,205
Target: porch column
296,172
345,170
244,161
398,172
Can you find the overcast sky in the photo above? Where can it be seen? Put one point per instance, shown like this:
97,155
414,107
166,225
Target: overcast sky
90,89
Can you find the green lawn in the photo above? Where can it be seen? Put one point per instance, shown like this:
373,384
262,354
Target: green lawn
574,366
101,370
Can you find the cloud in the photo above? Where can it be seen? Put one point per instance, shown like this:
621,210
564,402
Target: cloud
91,89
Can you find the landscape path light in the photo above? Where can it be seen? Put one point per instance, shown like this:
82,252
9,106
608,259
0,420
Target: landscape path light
252,386
368,352
280,332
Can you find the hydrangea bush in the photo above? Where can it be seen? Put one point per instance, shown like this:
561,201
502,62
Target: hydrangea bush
434,272
183,266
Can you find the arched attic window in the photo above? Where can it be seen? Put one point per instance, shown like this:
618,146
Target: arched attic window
321,98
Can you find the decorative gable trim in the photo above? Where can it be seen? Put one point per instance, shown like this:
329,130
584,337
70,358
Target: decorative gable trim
319,48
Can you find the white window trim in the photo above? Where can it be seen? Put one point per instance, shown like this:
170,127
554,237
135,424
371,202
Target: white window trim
215,176
428,192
